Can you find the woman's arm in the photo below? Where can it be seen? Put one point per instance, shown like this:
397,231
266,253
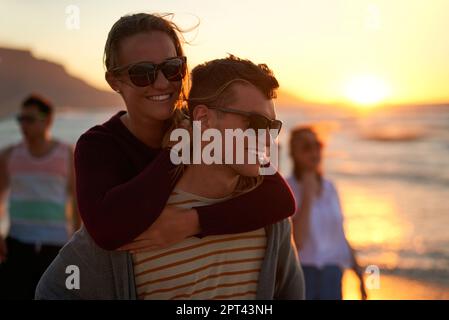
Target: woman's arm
115,208
4,185
269,203
358,271
301,221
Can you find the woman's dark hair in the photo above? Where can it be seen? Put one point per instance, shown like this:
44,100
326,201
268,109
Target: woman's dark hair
44,105
295,134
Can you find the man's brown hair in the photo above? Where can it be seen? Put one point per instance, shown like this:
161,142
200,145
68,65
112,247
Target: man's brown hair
211,82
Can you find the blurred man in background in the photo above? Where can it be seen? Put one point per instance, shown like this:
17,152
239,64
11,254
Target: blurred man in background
37,176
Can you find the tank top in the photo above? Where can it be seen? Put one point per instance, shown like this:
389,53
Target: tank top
38,195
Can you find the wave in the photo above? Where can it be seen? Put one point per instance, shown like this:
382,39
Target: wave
395,135
437,276
415,178
432,265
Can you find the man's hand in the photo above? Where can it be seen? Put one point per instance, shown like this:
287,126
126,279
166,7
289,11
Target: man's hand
3,250
173,225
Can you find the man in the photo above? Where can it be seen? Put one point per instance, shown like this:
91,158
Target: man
226,94
39,176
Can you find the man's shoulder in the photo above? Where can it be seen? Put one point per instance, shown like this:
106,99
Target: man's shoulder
283,226
6,152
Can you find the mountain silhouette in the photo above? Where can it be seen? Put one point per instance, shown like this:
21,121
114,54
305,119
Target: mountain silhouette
21,74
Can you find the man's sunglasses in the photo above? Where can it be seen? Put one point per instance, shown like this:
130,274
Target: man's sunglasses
256,121
143,74
310,146
22,118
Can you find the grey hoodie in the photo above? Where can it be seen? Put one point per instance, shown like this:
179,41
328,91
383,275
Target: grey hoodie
109,275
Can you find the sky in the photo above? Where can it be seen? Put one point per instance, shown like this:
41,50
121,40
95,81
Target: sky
328,51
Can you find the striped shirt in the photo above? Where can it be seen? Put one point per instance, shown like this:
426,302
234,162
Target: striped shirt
213,267
38,195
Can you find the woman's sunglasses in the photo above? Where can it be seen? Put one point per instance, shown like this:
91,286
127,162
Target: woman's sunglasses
143,74
256,121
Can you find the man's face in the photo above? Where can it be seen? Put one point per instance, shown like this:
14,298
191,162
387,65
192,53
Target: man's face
248,99
33,124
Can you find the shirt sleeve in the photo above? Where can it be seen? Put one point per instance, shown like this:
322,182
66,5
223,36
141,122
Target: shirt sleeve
114,208
267,204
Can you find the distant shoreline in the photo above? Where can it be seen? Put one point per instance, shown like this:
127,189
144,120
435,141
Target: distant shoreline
394,287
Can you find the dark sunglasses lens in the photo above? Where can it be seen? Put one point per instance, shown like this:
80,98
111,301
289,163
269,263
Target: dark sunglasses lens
260,122
26,119
257,123
174,69
142,75
276,125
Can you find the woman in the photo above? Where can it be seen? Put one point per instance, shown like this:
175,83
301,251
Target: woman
122,173
318,224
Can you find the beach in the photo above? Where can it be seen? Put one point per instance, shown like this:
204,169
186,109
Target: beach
395,288
393,189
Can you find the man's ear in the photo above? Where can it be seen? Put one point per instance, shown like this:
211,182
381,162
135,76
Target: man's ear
49,120
202,113
112,81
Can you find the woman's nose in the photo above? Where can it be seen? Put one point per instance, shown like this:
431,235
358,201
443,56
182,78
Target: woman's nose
161,81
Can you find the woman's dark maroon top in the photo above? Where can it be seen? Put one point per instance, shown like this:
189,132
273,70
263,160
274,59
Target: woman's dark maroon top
123,186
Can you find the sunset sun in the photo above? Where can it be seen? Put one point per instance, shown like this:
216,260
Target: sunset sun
366,91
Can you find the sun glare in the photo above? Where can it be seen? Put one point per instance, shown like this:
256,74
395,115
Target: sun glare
366,91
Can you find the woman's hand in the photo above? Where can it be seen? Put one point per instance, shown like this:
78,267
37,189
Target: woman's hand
172,226
310,185
363,290
359,272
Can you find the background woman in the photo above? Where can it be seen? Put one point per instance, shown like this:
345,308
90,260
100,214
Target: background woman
318,223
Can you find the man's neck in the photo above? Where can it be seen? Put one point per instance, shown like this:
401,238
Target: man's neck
40,146
209,181
149,132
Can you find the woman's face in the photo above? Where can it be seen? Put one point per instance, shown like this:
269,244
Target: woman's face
156,101
306,151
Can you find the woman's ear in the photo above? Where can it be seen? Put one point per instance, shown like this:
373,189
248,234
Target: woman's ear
201,113
112,81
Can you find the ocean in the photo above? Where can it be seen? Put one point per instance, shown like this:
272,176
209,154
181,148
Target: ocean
391,168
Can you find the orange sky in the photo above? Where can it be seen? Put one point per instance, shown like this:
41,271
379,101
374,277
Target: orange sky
345,51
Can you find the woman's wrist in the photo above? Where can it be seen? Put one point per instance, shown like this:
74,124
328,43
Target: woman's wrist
192,222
